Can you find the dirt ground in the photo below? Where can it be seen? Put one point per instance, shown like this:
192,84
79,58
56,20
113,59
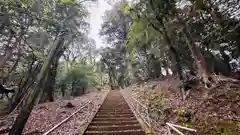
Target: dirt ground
213,111
45,116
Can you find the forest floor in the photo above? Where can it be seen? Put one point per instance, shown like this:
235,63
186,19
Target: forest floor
45,116
213,111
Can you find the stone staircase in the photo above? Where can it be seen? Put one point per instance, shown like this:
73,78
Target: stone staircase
114,118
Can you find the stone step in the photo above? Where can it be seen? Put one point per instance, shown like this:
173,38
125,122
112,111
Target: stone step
114,128
107,123
116,109
114,119
114,113
125,132
111,115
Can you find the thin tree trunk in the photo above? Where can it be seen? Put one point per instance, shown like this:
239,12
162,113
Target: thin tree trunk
110,80
25,111
101,79
62,90
8,53
122,77
24,85
5,20
13,67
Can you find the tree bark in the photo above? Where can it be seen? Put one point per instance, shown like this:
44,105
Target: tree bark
196,53
50,81
174,53
25,111
62,88
226,60
110,79
25,83
172,50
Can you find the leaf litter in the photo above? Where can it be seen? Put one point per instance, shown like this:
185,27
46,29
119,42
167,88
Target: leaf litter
210,111
46,115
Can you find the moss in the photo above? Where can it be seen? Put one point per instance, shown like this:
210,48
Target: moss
82,132
219,128
213,127
188,124
145,127
227,128
185,124
180,113
30,100
183,115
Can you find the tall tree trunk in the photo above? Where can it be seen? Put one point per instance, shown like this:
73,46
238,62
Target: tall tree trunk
73,89
218,18
62,88
111,81
122,76
226,60
196,53
173,51
25,111
50,81
121,81
174,54
114,77
47,84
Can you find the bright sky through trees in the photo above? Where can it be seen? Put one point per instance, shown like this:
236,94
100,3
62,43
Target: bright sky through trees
97,11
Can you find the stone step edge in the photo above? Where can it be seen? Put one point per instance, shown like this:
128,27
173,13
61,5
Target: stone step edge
117,115
115,126
114,118
123,131
114,121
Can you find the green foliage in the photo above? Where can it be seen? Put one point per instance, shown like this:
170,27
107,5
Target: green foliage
141,32
156,37
66,1
30,28
125,9
116,24
78,77
220,127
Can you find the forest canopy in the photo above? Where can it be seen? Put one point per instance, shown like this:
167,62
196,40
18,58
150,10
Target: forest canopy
152,39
